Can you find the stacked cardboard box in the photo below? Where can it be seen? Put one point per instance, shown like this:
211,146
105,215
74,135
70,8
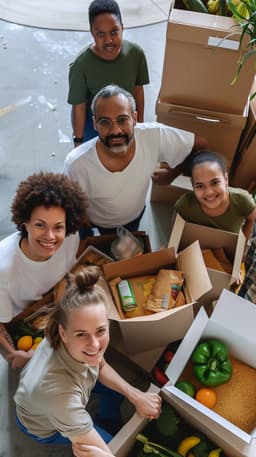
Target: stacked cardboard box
201,56
244,165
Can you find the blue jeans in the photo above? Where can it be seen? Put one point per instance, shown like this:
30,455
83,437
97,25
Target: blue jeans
57,438
108,413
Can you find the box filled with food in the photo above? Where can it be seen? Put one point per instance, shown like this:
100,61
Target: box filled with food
153,295
27,328
120,245
217,357
173,434
222,252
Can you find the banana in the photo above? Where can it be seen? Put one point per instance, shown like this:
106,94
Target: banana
213,6
215,452
187,444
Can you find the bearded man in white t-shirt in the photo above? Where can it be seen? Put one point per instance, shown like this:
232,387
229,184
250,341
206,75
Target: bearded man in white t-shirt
115,168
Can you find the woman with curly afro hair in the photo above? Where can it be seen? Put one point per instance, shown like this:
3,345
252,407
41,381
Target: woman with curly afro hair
48,210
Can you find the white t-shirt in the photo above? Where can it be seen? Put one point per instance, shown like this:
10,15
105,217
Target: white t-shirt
53,393
22,281
116,198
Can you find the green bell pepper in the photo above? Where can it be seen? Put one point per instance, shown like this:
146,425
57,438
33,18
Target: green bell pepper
212,365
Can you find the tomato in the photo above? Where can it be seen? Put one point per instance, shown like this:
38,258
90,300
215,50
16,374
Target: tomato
186,387
207,397
160,376
168,356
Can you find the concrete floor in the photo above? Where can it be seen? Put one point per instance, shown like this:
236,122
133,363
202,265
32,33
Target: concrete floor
35,134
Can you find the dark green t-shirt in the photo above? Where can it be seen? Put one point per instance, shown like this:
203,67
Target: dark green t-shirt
241,205
89,72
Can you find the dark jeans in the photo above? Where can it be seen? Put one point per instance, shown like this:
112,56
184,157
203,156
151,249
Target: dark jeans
131,226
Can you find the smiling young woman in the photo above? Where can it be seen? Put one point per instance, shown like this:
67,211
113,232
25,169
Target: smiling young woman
47,209
54,389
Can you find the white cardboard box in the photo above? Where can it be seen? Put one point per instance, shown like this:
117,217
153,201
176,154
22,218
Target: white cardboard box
184,233
156,330
124,440
233,322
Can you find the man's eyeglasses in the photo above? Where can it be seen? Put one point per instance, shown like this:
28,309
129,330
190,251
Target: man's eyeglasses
106,124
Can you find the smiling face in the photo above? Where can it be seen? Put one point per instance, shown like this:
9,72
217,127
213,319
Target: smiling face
210,187
107,33
86,335
115,122
46,231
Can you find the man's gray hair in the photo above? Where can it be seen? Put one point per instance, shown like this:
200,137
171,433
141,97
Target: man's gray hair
111,91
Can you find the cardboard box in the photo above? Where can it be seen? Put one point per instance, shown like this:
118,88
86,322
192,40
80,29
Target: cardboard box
103,242
244,167
201,58
123,442
233,322
222,130
90,255
170,194
184,233
157,330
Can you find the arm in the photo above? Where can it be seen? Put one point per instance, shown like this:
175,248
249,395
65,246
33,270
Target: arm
138,93
17,359
78,119
248,224
84,450
147,404
164,174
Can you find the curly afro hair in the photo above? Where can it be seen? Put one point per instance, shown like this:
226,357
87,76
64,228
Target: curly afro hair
50,189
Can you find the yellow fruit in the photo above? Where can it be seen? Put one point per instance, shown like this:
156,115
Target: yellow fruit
37,340
187,444
215,452
35,346
24,343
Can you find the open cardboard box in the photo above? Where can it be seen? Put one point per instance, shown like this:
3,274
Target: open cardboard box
103,242
184,233
222,130
233,322
90,255
124,440
157,330
201,58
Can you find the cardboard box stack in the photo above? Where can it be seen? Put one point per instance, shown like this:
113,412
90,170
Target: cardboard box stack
243,173
201,55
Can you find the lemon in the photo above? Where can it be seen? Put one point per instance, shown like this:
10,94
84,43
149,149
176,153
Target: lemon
37,340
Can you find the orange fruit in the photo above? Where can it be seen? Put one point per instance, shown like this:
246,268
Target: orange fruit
24,343
207,397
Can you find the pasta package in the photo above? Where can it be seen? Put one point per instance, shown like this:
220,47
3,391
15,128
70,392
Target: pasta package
166,291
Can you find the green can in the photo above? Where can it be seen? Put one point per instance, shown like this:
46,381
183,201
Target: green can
126,294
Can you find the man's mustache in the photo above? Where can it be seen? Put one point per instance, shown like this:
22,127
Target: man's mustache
120,135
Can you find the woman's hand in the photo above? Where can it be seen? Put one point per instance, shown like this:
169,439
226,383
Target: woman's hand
147,404
18,359
84,450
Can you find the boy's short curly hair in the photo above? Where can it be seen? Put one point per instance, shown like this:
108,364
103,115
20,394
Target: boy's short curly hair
50,189
98,7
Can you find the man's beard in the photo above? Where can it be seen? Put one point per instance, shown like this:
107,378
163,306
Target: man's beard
118,148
